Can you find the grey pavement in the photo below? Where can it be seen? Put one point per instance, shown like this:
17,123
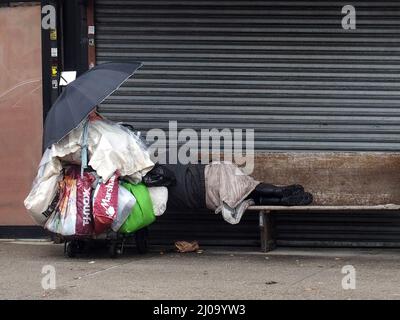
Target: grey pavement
216,273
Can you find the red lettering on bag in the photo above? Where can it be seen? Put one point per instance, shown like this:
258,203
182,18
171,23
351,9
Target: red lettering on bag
84,221
106,204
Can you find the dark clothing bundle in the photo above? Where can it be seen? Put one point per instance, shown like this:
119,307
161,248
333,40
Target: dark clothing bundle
159,176
186,185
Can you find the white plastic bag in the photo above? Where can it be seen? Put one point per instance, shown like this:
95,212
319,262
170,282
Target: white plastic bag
44,187
126,202
159,198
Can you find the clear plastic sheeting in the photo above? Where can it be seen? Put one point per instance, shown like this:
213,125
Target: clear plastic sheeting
63,220
111,147
126,202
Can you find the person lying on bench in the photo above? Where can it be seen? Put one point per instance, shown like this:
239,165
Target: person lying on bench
222,187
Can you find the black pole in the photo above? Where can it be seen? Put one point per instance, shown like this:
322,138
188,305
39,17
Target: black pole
64,48
75,38
46,66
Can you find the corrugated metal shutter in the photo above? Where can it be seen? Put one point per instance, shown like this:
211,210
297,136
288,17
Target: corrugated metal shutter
285,68
338,230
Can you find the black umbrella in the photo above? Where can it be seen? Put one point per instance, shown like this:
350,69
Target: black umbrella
81,96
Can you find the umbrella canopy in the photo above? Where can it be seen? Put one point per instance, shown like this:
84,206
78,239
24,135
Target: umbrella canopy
81,96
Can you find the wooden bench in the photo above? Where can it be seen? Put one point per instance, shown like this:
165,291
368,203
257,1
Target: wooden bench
267,222
341,182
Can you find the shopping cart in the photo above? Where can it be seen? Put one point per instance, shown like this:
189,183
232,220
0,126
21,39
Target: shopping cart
113,241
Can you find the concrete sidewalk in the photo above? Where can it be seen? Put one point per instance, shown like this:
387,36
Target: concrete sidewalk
213,274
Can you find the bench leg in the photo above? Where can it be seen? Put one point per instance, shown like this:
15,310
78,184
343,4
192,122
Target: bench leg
266,231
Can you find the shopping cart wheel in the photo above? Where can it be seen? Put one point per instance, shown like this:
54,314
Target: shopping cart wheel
141,237
115,249
71,249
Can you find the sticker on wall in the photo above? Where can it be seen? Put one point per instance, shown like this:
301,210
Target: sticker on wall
54,84
54,52
66,77
91,30
53,34
54,71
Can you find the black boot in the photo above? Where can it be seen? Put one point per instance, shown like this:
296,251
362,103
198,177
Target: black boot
268,201
269,190
299,199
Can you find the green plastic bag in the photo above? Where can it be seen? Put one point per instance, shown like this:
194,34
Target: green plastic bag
142,213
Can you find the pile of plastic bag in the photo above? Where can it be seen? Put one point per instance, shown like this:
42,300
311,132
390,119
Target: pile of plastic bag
90,183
